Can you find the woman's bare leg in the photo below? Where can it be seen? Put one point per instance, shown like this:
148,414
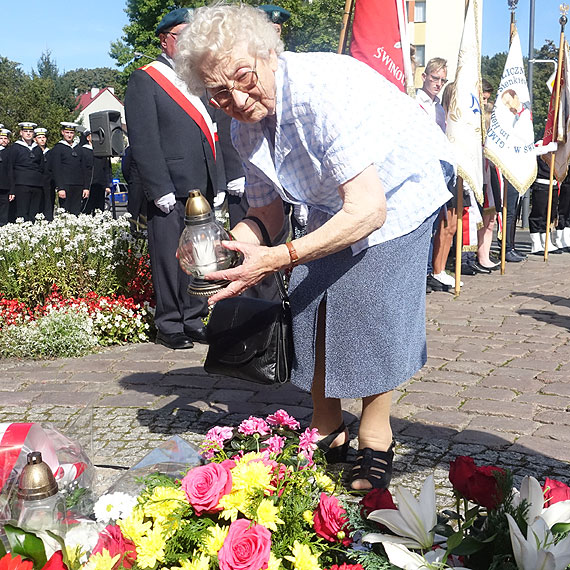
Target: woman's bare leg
443,240
484,240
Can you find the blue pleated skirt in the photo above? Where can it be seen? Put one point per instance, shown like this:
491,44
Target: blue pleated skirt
375,337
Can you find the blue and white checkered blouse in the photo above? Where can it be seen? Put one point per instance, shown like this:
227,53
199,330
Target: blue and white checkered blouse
335,117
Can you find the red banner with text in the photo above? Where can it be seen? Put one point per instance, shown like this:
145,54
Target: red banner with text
376,38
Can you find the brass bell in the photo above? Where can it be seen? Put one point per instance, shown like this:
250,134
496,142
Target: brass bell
36,481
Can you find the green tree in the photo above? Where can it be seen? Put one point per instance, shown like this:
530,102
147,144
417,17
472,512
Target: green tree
82,80
47,69
313,26
13,81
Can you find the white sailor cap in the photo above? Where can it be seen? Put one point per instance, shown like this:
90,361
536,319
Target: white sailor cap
6,132
40,131
68,126
27,126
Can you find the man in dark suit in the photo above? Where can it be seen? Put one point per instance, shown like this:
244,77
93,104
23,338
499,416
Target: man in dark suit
172,144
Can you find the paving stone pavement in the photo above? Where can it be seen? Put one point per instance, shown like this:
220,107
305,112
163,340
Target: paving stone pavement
496,387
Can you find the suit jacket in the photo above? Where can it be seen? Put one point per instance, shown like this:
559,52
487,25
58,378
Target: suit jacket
171,152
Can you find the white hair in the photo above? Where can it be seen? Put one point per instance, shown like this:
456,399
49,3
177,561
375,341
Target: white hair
213,32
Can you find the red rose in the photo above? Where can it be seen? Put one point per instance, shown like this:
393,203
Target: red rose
477,484
56,562
330,520
206,485
555,491
375,500
247,546
112,539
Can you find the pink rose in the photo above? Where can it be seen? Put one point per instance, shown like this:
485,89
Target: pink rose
206,485
283,419
330,520
247,547
555,491
254,425
111,538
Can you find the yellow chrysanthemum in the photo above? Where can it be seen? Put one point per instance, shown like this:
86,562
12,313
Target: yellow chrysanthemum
303,558
163,502
134,526
308,517
267,514
324,482
101,561
198,561
274,563
232,504
251,475
214,540
150,549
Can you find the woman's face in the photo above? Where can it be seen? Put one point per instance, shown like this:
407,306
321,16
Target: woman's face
255,100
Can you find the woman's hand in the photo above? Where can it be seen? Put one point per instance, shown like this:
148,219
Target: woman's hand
258,262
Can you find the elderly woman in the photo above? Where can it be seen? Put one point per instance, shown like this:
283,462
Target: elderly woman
327,131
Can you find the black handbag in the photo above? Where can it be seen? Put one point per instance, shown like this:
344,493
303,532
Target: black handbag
250,338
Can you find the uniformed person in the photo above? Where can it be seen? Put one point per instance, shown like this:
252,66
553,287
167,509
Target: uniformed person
48,195
99,176
26,170
68,170
277,15
5,196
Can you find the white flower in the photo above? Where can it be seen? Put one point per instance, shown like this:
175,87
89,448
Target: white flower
413,521
84,535
532,493
403,558
539,550
114,506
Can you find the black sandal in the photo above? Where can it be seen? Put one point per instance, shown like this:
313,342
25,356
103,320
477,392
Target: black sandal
374,466
338,453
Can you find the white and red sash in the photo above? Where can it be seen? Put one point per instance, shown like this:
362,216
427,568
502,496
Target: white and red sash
166,77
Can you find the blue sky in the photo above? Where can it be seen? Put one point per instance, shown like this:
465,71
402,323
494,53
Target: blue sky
79,34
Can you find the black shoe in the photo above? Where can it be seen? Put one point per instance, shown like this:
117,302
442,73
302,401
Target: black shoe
466,269
512,257
334,454
197,335
428,288
519,253
436,285
175,341
374,466
478,268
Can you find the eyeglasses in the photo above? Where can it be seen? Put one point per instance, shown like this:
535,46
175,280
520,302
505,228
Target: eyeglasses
245,80
435,79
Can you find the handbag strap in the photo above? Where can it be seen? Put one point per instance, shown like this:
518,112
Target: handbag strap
265,235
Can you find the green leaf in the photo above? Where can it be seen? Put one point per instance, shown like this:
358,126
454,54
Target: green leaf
560,528
472,512
451,514
2,549
470,545
454,540
61,543
443,529
27,544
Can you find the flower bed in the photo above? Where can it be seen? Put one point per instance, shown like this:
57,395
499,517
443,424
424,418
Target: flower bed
72,284
265,502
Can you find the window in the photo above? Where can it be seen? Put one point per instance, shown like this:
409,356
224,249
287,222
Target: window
420,11
420,56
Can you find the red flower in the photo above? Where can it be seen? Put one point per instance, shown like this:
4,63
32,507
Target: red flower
346,567
112,539
16,563
477,484
330,520
376,499
55,562
555,491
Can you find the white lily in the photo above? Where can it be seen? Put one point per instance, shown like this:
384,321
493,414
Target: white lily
413,521
403,558
532,492
538,551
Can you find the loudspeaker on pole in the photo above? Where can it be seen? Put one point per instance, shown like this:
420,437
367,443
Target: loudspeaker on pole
106,133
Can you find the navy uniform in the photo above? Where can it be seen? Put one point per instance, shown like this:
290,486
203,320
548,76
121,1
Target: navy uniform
5,194
26,171
48,196
98,176
173,155
68,170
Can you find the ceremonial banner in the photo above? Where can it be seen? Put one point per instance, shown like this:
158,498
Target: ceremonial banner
464,119
510,138
379,39
562,154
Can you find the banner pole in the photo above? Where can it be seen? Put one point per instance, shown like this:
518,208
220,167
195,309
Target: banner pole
561,62
345,23
512,30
